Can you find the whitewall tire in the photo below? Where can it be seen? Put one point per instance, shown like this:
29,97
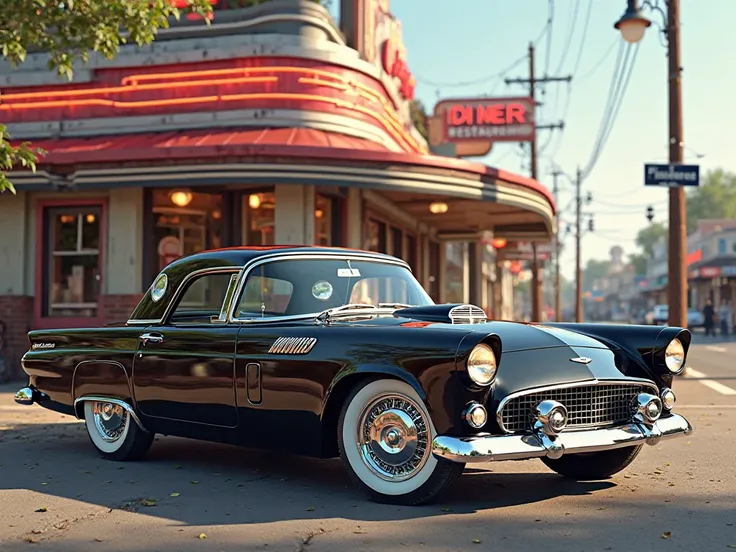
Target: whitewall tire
114,433
385,437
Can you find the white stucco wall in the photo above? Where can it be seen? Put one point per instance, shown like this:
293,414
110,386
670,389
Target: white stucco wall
14,243
294,214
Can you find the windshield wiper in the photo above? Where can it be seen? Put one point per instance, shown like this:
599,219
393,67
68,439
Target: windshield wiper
394,306
344,309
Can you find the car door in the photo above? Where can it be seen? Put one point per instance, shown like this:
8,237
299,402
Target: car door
184,368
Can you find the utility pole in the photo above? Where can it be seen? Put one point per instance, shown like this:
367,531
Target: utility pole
578,262
533,81
555,193
677,288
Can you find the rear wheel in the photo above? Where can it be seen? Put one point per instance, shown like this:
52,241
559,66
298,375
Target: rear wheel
114,433
385,437
594,465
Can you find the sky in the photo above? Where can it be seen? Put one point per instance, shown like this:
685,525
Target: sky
457,49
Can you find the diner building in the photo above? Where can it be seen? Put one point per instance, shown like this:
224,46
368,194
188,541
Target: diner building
271,125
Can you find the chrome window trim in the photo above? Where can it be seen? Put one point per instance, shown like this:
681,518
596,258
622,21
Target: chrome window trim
300,255
231,287
192,276
582,383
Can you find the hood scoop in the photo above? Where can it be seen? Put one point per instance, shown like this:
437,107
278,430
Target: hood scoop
452,314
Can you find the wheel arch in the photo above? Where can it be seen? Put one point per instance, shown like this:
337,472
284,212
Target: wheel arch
103,380
341,387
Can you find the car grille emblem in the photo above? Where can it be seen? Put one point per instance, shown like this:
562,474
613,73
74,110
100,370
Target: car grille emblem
582,360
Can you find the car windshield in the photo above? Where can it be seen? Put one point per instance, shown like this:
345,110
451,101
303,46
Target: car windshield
296,287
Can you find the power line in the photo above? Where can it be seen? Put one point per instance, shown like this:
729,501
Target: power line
598,64
548,50
568,42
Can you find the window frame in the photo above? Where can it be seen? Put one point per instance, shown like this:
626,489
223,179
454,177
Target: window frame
43,252
189,281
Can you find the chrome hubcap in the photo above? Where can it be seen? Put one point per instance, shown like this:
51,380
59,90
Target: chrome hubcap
110,420
393,437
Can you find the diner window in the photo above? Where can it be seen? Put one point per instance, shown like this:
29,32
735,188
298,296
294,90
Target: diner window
203,298
184,223
72,261
323,220
412,254
375,236
397,242
261,219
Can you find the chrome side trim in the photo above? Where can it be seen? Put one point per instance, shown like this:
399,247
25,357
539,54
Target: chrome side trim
292,345
489,448
112,400
584,383
258,261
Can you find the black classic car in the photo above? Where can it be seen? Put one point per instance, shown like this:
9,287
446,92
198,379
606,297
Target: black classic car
337,352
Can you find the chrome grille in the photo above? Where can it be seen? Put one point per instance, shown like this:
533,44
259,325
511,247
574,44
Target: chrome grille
292,345
596,405
467,314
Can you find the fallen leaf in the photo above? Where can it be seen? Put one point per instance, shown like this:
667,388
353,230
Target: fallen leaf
44,509
447,509
29,539
194,482
666,534
667,464
310,509
671,484
202,536
476,541
44,484
174,494
148,502
97,540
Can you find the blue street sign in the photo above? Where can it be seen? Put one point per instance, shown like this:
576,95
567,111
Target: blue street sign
671,175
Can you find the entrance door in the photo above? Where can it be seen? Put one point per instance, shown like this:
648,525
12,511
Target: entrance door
184,369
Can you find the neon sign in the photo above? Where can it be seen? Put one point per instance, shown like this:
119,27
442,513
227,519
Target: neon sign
393,59
487,120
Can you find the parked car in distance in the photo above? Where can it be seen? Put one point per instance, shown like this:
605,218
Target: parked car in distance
660,315
336,352
695,319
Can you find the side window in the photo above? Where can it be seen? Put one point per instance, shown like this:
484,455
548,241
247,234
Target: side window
203,297
264,296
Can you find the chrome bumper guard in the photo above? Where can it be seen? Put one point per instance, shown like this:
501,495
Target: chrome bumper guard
28,396
489,448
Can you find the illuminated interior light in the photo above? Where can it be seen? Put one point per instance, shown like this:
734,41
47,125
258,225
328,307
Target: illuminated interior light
254,201
181,198
438,207
90,219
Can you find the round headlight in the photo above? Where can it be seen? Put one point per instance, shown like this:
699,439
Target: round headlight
674,356
668,398
482,364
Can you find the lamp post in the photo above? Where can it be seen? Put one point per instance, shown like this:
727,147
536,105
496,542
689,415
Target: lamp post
632,25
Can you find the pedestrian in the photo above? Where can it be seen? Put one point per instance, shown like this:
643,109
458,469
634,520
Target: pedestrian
708,316
724,315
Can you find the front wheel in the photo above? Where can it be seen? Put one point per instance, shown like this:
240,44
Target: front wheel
114,433
594,465
385,438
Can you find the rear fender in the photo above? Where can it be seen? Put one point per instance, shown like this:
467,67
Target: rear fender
106,378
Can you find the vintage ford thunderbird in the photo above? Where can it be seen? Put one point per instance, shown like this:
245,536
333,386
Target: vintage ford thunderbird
336,352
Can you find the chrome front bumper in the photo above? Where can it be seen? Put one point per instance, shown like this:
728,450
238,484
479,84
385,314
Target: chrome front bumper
490,448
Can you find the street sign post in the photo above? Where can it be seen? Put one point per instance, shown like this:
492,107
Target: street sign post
671,175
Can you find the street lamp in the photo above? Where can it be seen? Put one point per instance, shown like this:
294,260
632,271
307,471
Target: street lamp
632,25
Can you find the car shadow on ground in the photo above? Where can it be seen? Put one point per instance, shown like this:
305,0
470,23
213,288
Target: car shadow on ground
232,485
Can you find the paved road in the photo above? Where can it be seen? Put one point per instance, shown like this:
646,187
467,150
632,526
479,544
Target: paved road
243,500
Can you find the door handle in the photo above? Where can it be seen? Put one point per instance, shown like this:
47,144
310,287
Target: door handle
151,338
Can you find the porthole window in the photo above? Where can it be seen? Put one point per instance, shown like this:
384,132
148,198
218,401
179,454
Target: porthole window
159,288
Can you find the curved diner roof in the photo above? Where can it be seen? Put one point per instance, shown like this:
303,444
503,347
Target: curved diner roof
479,197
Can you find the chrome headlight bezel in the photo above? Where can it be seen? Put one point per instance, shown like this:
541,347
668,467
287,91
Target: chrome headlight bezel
674,356
482,365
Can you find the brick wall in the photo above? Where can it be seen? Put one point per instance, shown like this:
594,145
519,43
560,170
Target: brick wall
117,308
17,312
